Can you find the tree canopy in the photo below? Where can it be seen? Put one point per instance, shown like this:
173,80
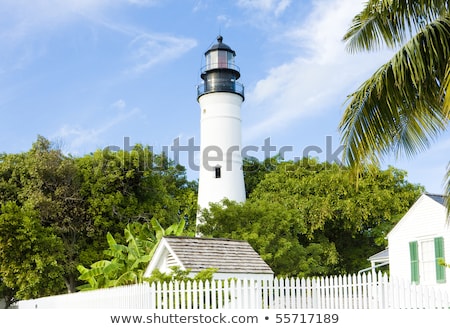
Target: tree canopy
67,204
308,218
26,265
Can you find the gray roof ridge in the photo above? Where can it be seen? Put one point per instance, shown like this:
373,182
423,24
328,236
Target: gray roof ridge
202,238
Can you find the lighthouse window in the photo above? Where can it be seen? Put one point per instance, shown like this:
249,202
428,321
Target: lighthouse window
217,172
223,59
230,59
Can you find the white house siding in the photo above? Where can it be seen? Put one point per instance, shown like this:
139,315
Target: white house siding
425,220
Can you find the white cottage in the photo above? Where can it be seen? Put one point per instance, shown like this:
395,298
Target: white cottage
232,258
419,241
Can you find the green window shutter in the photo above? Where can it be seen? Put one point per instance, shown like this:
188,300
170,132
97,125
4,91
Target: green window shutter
414,258
439,257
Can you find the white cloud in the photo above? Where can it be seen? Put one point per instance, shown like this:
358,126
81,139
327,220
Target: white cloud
22,19
273,6
77,138
224,20
144,2
39,11
148,50
22,16
282,6
199,5
119,104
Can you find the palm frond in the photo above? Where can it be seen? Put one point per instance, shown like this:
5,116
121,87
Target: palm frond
447,191
445,91
391,22
400,108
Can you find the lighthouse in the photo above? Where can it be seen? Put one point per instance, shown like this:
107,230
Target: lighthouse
220,97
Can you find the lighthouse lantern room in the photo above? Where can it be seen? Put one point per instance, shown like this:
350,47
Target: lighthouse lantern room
220,72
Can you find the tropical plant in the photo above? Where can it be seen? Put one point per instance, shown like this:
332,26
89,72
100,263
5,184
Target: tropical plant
404,105
177,274
126,264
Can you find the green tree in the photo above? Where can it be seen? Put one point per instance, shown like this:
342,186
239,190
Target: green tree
12,176
81,199
46,181
125,186
404,105
124,191
181,192
308,218
255,170
30,254
51,185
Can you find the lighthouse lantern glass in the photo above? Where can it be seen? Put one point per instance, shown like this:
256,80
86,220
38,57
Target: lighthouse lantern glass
221,59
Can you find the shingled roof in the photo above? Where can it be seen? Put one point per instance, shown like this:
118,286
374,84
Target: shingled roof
437,197
196,254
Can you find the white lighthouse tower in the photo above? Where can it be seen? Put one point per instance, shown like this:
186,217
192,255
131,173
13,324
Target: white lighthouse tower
220,97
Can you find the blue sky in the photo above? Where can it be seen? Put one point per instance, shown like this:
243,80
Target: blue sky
88,73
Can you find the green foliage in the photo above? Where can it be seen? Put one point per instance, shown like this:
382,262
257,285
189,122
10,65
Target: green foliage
51,186
255,171
80,200
309,218
26,265
135,186
126,264
177,274
443,263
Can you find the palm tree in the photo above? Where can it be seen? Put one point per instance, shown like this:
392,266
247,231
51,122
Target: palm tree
404,105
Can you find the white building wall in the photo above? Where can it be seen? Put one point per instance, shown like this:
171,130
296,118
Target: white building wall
425,220
220,134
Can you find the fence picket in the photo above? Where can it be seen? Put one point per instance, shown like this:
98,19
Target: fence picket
364,293
264,292
219,294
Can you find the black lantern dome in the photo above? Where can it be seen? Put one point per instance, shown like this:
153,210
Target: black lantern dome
220,72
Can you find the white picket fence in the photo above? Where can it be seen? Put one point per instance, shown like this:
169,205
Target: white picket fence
337,292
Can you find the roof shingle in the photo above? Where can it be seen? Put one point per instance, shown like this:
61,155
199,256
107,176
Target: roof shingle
228,256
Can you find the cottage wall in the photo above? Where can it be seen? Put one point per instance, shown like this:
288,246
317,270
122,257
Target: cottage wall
425,220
